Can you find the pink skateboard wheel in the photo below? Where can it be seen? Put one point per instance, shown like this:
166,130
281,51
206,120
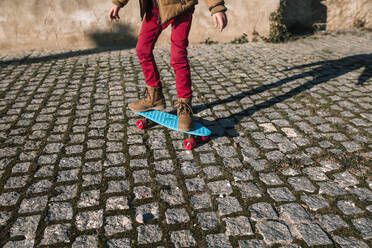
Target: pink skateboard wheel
189,143
141,124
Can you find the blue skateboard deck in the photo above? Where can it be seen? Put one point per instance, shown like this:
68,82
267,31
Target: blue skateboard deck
170,121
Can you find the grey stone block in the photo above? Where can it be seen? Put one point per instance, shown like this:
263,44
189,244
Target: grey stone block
294,213
89,220
218,240
117,224
228,205
314,202
59,211
147,212
207,220
25,226
349,242
175,216
85,241
281,194
348,208
364,226
222,188
58,233
183,238
148,234
238,226
312,234
262,211
274,232
331,222
301,184
200,201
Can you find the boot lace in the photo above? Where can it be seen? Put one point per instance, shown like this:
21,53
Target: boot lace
184,108
145,95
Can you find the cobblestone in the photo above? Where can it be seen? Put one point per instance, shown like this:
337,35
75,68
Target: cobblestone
218,240
89,220
364,226
331,222
348,208
281,194
349,242
25,226
312,234
200,201
301,184
76,172
59,211
117,224
85,241
274,232
294,213
315,202
58,233
183,238
148,234
238,226
207,220
175,216
228,205
262,211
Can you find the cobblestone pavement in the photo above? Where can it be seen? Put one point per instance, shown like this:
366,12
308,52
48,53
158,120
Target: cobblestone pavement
288,164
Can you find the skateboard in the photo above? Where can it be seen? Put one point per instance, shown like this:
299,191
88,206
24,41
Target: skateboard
199,135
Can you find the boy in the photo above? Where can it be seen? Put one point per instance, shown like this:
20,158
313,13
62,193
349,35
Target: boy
159,14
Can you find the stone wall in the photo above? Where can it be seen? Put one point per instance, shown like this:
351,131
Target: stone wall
46,24
80,24
346,14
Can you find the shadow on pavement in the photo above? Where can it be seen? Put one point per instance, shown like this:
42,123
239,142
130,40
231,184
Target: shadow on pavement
119,38
326,71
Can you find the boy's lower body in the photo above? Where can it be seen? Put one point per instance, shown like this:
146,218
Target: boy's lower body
154,98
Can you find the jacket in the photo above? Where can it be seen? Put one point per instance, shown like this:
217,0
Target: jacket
168,9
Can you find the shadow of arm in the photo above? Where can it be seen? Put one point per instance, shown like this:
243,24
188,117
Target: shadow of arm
366,74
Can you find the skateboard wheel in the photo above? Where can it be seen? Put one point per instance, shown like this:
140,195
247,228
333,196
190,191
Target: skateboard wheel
189,143
204,138
141,124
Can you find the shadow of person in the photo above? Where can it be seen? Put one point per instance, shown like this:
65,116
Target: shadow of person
119,38
351,63
326,70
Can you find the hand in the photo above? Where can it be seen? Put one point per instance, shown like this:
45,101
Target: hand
220,20
114,13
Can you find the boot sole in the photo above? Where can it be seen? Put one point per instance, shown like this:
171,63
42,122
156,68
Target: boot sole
186,129
148,109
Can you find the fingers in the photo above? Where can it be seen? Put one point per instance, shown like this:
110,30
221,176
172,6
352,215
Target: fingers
220,23
215,20
114,14
224,20
220,20
110,15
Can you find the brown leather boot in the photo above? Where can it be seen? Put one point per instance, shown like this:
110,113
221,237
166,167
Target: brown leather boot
153,100
184,113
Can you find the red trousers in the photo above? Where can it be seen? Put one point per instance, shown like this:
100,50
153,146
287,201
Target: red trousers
147,38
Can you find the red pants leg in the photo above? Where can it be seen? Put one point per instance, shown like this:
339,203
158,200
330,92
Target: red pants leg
179,62
147,38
